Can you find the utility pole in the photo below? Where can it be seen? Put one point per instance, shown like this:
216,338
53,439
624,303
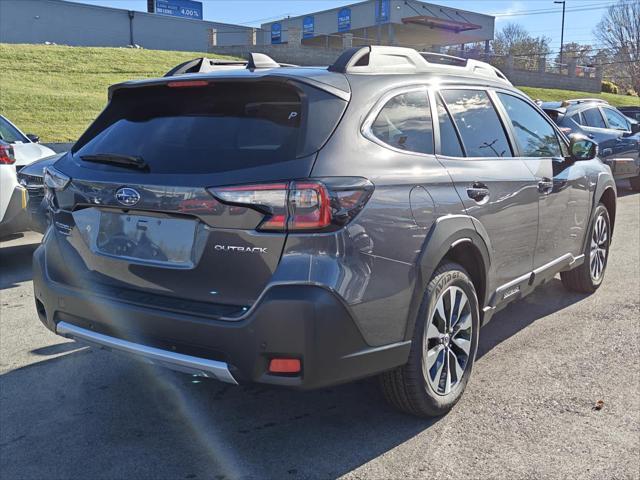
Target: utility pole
563,2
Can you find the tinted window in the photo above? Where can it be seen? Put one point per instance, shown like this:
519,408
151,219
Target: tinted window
478,123
576,118
615,120
449,142
9,133
405,123
536,137
222,127
592,118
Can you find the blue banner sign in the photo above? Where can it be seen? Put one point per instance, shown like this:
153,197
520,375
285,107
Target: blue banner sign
307,27
383,11
180,8
344,20
276,33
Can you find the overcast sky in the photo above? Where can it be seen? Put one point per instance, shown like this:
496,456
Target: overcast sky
540,17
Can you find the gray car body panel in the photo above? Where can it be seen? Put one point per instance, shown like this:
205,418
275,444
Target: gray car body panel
380,263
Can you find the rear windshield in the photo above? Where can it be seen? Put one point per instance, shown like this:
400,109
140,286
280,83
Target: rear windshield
220,127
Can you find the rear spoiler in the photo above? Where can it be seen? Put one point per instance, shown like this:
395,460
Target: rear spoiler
204,65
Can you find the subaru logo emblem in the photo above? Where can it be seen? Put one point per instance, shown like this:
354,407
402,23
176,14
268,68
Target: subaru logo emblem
127,196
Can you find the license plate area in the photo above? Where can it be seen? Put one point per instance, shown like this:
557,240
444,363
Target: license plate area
143,239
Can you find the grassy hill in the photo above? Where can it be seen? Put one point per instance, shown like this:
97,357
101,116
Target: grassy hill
56,91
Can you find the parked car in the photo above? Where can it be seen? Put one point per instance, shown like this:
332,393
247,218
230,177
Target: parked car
305,227
13,197
31,178
25,147
618,138
631,112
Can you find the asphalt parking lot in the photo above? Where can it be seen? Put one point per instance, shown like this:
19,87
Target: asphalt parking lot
68,411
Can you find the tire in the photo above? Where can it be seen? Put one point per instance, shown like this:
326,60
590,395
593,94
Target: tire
416,390
589,276
635,183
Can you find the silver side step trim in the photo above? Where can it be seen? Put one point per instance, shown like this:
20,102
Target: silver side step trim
202,367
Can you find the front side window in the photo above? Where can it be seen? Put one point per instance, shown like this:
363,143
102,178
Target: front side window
535,136
593,118
615,120
478,123
405,123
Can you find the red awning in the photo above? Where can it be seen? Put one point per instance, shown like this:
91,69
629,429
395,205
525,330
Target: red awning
443,23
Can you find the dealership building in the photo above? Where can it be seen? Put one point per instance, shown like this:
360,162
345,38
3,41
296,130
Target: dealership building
388,22
180,25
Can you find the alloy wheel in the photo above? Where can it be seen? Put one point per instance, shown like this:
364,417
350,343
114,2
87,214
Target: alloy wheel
447,341
599,244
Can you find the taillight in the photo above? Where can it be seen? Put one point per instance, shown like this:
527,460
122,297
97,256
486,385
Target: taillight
301,205
6,155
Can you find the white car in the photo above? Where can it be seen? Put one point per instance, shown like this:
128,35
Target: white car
17,150
25,147
13,196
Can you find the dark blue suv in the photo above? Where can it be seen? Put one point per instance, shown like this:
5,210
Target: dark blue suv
305,227
618,137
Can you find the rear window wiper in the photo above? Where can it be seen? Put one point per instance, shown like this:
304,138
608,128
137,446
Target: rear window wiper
117,159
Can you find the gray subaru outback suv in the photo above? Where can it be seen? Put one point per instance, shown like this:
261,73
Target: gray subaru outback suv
305,227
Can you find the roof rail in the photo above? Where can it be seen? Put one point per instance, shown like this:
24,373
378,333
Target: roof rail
383,59
203,64
574,101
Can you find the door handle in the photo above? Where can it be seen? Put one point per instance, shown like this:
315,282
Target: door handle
478,192
545,185
590,135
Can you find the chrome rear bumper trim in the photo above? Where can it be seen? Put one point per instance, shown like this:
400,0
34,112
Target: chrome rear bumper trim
202,367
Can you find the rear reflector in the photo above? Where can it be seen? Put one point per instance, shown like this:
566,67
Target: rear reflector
187,84
284,365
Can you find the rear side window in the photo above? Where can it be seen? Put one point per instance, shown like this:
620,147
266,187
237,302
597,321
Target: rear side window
216,128
478,123
593,118
615,120
449,141
576,118
536,137
405,123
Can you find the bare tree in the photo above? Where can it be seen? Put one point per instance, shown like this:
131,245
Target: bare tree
515,40
619,31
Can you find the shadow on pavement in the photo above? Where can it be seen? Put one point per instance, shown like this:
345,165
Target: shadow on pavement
16,264
93,414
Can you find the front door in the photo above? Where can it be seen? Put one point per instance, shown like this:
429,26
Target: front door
495,187
563,191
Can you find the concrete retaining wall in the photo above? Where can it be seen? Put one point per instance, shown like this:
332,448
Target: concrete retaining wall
66,23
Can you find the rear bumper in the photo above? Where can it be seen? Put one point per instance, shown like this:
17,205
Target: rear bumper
301,321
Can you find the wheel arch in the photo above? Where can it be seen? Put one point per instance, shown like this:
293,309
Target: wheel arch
454,238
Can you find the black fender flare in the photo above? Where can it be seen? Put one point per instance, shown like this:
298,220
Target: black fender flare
445,233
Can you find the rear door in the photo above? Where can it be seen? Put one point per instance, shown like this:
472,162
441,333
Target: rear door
496,187
156,208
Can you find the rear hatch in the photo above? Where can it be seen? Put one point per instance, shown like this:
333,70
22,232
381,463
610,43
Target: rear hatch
172,197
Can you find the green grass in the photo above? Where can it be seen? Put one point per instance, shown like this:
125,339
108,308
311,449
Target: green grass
56,91
552,94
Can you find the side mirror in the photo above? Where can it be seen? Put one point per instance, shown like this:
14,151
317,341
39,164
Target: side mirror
635,127
33,138
582,148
